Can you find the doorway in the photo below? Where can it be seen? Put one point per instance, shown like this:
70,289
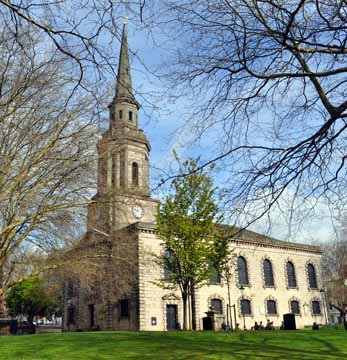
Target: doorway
171,317
91,315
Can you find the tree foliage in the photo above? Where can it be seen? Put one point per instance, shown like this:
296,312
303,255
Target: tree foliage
28,297
186,224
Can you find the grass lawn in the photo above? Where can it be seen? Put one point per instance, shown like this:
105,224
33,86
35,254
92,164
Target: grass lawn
324,344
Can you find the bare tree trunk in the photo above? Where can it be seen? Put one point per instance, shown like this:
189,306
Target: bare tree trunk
343,313
184,301
192,291
229,306
189,307
2,294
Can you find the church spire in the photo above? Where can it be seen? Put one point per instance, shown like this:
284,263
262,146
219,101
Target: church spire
124,92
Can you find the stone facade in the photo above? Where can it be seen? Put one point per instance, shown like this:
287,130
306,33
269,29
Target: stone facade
153,300
121,220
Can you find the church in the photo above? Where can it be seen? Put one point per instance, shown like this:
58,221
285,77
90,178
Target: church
270,277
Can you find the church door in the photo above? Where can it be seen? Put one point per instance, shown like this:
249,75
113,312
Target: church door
171,317
91,315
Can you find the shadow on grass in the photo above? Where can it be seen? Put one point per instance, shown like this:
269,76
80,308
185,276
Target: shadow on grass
256,346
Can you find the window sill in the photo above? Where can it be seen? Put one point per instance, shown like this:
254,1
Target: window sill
244,285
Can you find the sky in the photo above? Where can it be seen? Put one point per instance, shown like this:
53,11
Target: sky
164,124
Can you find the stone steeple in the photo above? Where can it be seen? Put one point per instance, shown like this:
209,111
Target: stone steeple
124,107
124,91
123,194
124,148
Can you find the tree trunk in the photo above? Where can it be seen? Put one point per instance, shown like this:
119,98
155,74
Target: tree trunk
2,294
31,322
192,291
184,301
229,306
189,307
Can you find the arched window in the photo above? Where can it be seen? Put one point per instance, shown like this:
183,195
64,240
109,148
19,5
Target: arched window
168,264
215,277
294,307
124,308
316,307
312,279
113,170
70,288
268,273
135,173
122,169
217,306
70,315
291,275
245,306
271,307
242,270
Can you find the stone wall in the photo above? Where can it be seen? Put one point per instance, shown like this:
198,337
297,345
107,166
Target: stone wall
113,280
153,299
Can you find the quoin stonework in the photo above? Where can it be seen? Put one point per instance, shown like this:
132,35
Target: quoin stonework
270,277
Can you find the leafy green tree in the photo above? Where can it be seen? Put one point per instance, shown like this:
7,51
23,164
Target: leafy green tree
186,224
28,297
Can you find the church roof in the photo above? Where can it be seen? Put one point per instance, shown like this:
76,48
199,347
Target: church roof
252,237
244,236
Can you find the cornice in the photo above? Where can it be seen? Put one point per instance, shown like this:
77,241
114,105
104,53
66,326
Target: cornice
285,246
312,249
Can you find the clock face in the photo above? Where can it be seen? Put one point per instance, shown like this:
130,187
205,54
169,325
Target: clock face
137,211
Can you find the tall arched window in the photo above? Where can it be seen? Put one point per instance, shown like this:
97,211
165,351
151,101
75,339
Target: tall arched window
271,307
70,315
217,306
245,306
215,277
135,174
312,279
113,170
291,275
294,307
124,308
316,307
169,261
122,169
268,273
70,288
242,270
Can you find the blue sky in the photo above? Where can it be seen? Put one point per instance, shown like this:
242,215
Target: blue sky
167,129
